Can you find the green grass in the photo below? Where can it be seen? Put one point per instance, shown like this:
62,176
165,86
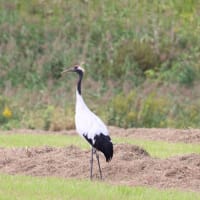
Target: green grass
25,187
154,148
162,149
35,140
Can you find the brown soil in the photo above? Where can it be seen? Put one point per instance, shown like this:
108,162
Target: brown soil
131,165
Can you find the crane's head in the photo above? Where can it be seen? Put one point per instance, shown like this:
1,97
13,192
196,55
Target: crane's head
77,68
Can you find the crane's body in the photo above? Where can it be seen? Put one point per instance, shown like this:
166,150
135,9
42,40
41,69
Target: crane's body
90,126
87,123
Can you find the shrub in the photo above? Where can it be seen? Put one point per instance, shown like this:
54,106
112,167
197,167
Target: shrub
5,111
154,111
186,75
131,111
122,110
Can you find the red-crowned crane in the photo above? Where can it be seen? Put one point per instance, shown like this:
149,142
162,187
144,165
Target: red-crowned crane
90,126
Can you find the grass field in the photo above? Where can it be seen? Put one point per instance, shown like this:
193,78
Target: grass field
35,140
159,149
25,187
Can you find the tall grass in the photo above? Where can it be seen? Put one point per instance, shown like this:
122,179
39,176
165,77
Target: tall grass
126,45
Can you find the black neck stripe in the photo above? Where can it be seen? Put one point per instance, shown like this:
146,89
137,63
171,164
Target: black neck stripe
80,73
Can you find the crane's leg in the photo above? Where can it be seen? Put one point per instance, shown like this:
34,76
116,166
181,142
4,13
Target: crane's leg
97,156
91,164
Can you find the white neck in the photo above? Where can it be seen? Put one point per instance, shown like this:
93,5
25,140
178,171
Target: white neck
80,104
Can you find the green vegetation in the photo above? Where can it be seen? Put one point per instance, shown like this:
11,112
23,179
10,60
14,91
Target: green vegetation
141,58
162,149
158,149
22,187
153,110
36,140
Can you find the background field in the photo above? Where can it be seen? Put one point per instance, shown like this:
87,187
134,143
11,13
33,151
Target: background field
143,50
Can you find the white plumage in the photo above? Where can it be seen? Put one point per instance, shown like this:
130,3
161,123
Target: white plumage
90,126
87,123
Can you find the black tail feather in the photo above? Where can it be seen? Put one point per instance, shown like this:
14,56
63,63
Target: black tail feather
103,143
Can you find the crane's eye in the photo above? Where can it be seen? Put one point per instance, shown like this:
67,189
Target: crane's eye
76,67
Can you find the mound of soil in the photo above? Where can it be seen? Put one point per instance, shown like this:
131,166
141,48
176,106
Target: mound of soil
131,165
